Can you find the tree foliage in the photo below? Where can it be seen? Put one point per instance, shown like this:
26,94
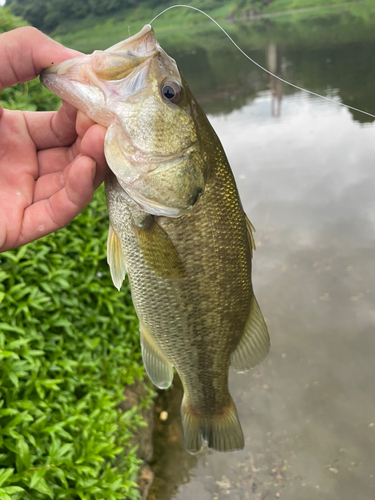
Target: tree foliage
9,21
48,15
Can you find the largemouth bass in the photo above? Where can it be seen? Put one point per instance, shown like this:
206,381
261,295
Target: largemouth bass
177,227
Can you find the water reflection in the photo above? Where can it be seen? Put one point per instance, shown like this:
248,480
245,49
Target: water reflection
224,81
273,65
171,464
307,183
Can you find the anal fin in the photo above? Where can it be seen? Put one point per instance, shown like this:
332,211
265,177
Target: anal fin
158,368
115,258
255,342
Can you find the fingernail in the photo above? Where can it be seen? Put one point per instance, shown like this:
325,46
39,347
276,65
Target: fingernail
93,170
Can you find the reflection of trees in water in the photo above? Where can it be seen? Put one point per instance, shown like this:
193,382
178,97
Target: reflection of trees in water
349,69
223,81
171,463
273,63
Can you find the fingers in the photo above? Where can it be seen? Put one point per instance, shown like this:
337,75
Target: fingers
56,159
55,170
61,196
47,185
25,52
50,129
91,144
83,123
51,214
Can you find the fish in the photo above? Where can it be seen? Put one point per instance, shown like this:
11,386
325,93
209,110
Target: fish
177,228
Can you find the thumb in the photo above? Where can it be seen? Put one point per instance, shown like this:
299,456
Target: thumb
25,52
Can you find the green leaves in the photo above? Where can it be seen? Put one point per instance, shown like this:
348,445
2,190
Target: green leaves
23,452
4,475
8,21
29,96
68,346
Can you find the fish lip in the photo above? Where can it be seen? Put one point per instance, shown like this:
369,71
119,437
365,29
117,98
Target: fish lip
146,36
143,34
142,43
63,67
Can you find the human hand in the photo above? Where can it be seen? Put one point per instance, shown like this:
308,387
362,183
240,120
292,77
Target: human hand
50,162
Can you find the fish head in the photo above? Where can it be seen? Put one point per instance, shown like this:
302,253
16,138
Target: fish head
153,143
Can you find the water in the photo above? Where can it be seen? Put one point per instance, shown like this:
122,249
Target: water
306,176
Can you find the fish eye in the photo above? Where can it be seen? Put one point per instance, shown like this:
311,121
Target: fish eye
171,91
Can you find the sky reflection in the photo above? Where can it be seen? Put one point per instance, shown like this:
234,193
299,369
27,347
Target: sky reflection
307,183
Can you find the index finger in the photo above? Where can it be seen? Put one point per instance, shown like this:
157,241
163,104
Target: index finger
25,52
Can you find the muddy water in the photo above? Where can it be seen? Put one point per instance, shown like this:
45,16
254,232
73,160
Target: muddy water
305,170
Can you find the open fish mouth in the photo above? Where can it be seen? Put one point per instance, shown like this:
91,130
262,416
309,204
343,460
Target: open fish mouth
128,54
103,76
136,90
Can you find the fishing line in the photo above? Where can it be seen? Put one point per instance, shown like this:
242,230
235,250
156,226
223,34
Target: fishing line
257,64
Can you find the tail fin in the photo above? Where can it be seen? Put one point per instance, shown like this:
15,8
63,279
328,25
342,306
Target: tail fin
222,432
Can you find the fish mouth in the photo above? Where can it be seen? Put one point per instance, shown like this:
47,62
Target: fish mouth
133,50
142,43
110,71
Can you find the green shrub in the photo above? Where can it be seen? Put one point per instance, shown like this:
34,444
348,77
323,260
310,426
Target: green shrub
69,345
8,21
29,96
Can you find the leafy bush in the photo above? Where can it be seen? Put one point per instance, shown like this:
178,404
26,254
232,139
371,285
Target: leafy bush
29,96
69,345
8,21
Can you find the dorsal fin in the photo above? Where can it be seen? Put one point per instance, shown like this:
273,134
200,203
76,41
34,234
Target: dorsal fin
250,230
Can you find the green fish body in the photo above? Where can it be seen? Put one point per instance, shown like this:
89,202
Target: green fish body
177,228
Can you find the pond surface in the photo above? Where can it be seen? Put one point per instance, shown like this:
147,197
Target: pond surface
305,170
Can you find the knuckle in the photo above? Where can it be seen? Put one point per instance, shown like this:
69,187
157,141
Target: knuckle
29,31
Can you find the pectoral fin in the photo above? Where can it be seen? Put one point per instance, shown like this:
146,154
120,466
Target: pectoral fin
115,258
250,230
157,249
254,344
158,368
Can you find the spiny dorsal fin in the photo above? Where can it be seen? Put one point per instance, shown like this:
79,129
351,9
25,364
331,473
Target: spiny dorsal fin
255,342
250,230
158,250
158,368
115,258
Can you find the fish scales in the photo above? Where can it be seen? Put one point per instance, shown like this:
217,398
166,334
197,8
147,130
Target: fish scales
178,227
205,312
